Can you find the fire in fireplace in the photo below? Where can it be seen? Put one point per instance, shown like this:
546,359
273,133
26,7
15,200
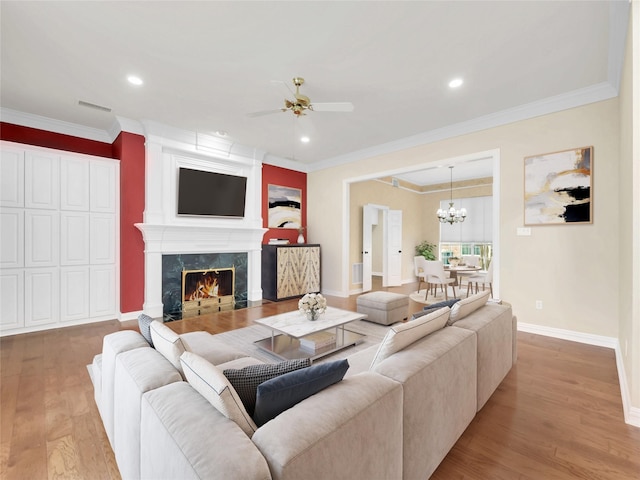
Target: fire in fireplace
207,291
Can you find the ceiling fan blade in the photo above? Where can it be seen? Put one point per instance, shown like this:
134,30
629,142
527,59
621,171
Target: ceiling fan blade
332,107
265,112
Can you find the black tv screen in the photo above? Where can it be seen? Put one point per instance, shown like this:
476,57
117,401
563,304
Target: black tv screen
210,193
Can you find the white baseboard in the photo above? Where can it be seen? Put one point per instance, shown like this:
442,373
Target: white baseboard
130,316
631,413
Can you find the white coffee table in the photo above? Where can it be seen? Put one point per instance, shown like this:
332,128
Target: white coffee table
288,328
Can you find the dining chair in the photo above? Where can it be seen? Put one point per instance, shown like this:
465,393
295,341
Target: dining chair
419,269
471,260
435,275
483,277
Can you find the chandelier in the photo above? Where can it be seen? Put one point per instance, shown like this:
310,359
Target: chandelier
451,215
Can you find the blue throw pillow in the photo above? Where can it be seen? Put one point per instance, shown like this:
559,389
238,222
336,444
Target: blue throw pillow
446,303
281,393
143,324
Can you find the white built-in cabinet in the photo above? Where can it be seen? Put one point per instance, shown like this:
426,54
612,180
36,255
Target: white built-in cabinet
58,238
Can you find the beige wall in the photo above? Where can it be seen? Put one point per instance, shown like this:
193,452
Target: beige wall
564,266
379,193
629,196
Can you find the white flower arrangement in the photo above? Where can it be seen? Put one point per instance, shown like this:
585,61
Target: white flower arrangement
313,304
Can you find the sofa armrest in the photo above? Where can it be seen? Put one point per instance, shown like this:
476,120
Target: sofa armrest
361,415
137,372
112,346
183,436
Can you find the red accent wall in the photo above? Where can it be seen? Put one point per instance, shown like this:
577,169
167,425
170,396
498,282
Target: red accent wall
44,138
287,178
129,149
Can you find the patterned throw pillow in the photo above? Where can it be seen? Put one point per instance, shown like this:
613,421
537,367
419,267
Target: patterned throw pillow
247,379
143,324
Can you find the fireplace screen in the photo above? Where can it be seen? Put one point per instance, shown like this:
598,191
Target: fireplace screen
207,291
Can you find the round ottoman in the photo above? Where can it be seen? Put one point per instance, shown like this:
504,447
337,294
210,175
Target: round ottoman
384,308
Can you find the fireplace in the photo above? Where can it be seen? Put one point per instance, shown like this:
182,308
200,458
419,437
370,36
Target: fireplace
195,284
207,291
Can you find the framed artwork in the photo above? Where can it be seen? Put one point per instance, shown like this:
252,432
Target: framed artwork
285,207
558,187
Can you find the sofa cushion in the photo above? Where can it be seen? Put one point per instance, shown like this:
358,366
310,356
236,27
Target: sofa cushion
283,392
468,306
209,382
144,321
246,380
404,334
168,343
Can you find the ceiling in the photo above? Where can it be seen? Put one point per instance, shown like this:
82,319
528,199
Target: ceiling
206,65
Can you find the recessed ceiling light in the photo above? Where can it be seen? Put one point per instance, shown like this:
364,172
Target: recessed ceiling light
455,83
133,80
221,133
305,139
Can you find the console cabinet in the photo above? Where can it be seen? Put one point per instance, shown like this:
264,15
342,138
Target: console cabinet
290,270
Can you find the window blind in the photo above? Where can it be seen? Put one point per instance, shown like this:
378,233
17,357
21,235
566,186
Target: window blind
477,227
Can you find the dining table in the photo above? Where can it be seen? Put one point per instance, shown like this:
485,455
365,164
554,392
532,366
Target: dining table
454,271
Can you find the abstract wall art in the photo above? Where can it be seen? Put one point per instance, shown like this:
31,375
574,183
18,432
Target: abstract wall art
558,187
285,207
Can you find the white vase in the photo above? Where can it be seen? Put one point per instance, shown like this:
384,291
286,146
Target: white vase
300,238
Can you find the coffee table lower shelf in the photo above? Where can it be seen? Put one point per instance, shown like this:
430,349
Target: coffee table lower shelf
288,348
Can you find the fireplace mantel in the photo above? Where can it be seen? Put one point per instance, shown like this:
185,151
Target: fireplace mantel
200,239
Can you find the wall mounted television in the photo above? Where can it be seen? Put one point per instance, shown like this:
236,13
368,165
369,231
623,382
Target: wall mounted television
210,193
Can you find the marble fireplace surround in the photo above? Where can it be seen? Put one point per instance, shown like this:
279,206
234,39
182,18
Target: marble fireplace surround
164,232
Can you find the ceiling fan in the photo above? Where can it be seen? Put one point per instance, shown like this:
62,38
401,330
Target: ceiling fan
301,103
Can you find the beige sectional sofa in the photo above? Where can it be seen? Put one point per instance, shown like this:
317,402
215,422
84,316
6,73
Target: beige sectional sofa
399,409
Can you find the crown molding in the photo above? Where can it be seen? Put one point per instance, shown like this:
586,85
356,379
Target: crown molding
594,93
51,125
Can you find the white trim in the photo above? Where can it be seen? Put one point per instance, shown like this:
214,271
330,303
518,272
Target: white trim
631,413
576,98
51,125
123,317
346,183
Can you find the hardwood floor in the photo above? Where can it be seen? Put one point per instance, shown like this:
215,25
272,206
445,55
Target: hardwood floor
557,415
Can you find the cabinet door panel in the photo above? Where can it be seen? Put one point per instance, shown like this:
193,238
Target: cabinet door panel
12,296
103,239
42,237
103,187
12,178
102,284
41,294
74,184
74,238
41,180
312,270
74,293
11,238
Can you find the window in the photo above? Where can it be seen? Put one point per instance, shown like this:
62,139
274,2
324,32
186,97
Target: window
471,237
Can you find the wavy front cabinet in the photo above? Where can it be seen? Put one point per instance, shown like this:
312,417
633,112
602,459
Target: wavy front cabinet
290,270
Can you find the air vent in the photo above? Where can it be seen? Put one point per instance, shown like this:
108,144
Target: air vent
93,105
